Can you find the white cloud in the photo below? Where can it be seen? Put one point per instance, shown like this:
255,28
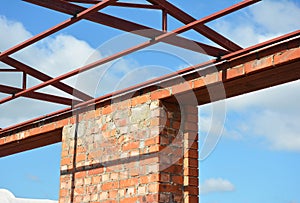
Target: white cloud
262,21
13,33
277,16
271,114
7,197
270,117
216,185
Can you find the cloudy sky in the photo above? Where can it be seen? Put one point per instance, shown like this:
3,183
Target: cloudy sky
257,156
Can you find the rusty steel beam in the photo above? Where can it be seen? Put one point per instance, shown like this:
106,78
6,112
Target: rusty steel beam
9,70
76,17
168,35
135,5
24,84
164,21
36,95
201,28
31,142
120,4
128,26
43,77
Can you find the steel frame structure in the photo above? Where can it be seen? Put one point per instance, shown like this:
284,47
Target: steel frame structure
229,49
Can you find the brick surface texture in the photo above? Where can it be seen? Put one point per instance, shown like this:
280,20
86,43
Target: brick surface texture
134,150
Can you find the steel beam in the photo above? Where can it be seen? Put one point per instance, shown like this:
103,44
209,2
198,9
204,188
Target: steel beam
164,21
31,142
120,4
134,5
128,26
201,28
9,70
43,77
36,95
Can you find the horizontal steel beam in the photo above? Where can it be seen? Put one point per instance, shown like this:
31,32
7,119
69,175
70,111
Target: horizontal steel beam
39,96
9,70
128,26
31,142
120,4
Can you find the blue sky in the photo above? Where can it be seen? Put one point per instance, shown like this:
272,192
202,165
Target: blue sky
257,157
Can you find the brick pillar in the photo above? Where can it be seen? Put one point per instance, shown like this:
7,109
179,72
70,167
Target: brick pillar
131,151
179,154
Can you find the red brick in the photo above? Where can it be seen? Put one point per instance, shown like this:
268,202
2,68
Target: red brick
129,182
286,56
80,174
158,94
129,200
165,187
66,161
110,185
153,187
140,99
149,198
191,199
177,179
258,64
130,146
80,157
192,181
107,110
191,171
191,153
152,141
235,72
199,83
193,190
180,88
96,171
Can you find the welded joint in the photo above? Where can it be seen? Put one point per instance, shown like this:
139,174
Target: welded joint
75,15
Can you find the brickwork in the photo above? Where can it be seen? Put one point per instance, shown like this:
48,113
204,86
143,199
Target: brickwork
129,151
